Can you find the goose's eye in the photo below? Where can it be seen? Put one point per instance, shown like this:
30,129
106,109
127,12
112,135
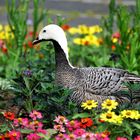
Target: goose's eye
44,31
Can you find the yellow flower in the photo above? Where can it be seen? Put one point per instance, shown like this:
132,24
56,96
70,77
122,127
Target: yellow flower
83,29
132,114
89,104
95,29
5,33
1,27
137,114
109,104
114,40
91,38
94,40
119,119
111,117
7,28
9,36
73,30
85,42
2,35
77,41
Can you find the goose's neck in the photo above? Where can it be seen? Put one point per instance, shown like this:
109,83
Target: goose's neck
62,61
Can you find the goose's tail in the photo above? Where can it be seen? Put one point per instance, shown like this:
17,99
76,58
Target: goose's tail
132,78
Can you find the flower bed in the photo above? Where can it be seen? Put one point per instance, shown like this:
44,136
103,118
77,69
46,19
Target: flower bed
103,124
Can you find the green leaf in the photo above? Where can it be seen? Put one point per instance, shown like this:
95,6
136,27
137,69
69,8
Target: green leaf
81,115
26,131
51,131
128,129
46,137
102,128
136,125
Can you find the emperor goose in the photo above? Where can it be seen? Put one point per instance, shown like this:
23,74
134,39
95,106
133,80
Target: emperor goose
87,83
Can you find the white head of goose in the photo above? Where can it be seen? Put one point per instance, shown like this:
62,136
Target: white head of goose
87,83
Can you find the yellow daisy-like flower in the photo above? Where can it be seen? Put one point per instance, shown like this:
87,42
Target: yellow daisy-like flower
119,119
114,40
1,27
137,114
132,114
7,28
2,35
95,29
111,117
73,30
89,104
83,29
77,41
109,104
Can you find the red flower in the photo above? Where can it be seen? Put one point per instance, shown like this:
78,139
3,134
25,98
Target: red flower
30,44
7,136
100,120
113,47
29,34
86,122
9,115
15,135
137,138
2,137
65,27
3,46
116,35
4,49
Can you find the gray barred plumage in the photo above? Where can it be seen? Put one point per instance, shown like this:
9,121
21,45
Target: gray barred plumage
86,83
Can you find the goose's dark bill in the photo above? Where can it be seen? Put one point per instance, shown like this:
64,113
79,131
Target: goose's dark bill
37,40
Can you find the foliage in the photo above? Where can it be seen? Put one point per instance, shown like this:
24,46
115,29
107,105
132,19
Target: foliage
127,44
15,35
38,15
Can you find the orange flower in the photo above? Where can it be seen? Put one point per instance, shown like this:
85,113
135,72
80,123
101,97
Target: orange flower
9,115
2,137
128,47
86,43
65,27
106,133
7,135
100,120
113,47
86,122
3,47
4,50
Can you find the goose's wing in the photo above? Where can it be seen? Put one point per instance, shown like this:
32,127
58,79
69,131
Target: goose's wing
105,81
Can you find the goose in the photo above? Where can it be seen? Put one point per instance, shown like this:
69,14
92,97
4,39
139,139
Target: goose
87,83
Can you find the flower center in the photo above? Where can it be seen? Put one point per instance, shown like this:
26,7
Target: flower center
61,135
109,116
62,119
14,134
20,120
89,103
128,113
109,103
72,123
87,137
71,136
